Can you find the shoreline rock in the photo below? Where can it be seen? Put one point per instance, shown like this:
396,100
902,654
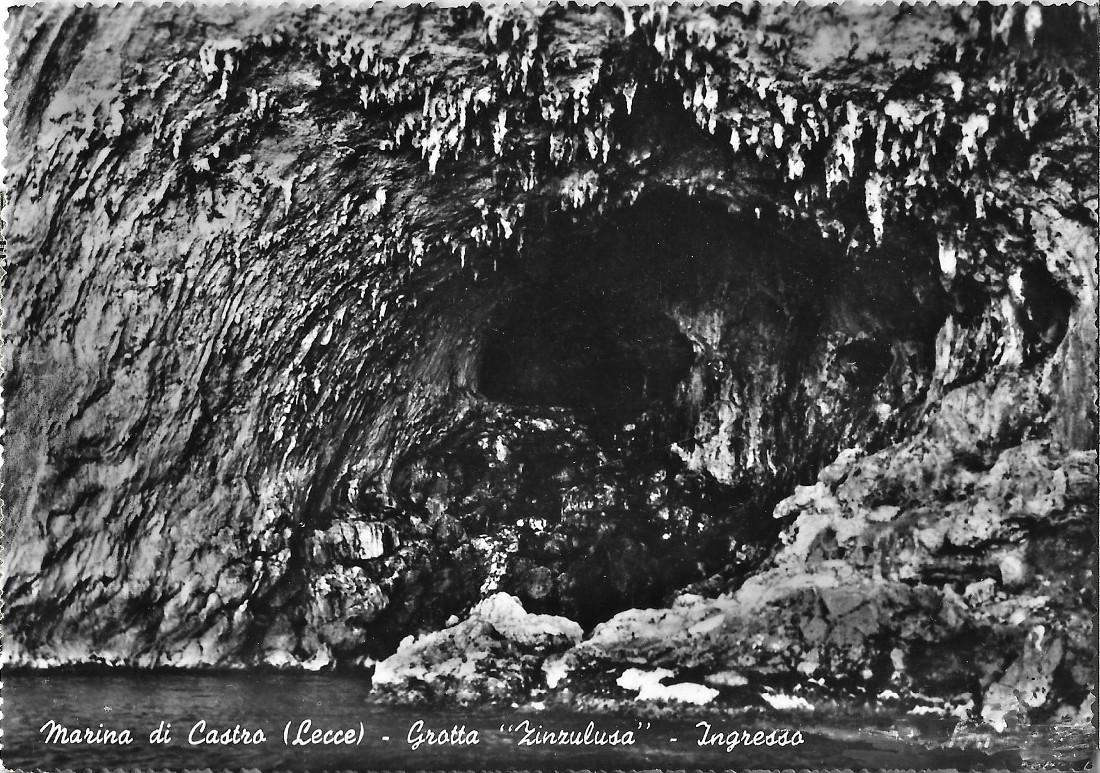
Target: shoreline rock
495,654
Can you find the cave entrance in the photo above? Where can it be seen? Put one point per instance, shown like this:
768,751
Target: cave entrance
599,350
651,383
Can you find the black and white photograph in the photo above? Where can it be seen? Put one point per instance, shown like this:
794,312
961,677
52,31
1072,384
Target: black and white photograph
550,386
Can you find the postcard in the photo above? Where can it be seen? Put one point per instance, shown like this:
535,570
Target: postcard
550,386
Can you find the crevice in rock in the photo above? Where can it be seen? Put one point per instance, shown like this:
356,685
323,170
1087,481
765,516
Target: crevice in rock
1044,314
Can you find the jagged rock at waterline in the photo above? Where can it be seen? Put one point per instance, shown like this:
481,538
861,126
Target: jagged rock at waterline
497,653
759,341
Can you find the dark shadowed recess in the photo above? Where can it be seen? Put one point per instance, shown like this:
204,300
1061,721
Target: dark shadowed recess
588,320
611,351
596,349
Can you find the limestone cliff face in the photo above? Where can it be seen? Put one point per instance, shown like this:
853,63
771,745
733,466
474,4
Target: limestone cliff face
323,326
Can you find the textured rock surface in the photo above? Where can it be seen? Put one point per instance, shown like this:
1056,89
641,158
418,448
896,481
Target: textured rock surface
950,573
282,385
908,577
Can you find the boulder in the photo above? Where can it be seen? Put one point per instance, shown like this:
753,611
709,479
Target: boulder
495,654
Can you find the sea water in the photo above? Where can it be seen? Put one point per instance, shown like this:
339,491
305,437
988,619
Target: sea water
266,720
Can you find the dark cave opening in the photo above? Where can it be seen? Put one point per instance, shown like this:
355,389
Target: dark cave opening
649,384
599,351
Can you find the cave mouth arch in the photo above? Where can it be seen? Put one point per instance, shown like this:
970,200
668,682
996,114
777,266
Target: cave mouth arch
648,383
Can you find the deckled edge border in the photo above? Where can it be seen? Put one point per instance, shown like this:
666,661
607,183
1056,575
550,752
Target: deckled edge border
4,222
365,4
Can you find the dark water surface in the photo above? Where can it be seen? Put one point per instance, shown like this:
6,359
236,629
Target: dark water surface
140,701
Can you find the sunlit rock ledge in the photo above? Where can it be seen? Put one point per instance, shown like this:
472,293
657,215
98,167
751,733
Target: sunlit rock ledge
497,653
882,629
